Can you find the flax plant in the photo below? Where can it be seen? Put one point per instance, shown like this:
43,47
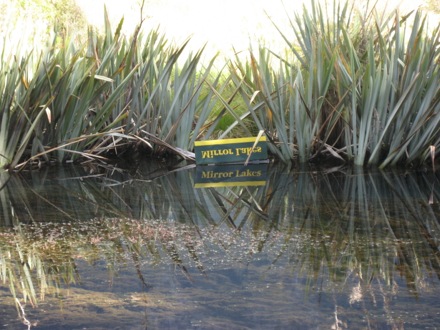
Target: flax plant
294,107
168,106
358,86
412,125
62,83
18,114
88,94
73,101
385,85
265,93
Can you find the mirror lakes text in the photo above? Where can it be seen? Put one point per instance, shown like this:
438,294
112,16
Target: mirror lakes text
247,173
230,151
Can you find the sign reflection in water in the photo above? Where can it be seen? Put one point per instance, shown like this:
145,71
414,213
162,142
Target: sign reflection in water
231,175
305,250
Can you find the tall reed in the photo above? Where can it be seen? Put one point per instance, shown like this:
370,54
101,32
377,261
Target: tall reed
352,85
70,101
356,86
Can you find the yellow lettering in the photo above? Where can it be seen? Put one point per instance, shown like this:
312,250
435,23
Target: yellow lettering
216,152
216,175
247,151
247,173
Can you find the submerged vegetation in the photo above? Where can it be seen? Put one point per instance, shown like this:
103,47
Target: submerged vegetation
364,237
355,86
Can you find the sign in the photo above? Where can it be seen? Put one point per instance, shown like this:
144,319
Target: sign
240,150
229,175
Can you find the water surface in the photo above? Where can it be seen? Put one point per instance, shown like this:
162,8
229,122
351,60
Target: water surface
150,248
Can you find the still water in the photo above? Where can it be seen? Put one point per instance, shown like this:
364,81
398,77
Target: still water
272,248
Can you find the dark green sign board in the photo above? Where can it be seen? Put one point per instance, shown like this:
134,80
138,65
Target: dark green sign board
237,151
228,175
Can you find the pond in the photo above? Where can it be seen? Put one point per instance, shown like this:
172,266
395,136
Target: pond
161,247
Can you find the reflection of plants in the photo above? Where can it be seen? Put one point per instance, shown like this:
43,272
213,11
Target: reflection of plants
39,259
344,226
371,230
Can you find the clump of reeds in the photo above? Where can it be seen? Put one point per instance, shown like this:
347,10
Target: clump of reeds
68,101
356,86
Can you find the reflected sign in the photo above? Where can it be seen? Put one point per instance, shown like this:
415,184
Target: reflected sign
229,175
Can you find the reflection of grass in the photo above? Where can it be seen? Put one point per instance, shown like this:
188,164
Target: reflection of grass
333,228
39,259
318,240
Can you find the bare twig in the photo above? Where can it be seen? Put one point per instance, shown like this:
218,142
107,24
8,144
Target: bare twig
23,315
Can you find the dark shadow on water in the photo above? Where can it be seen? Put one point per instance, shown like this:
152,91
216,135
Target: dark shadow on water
148,248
